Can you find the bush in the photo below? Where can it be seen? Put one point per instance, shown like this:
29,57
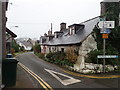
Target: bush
92,56
15,46
37,48
58,58
71,55
40,55
22,49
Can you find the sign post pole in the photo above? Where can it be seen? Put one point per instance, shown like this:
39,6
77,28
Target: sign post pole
104,54
104,26
104,47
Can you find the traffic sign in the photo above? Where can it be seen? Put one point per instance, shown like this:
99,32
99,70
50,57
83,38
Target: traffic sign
106,24
107,56
107,31
105,36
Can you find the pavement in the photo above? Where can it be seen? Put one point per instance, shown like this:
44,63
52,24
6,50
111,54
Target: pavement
23,80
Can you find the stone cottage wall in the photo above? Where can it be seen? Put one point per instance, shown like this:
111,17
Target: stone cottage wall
87,45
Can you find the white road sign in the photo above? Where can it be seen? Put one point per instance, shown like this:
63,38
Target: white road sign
106,24
107,56
107,31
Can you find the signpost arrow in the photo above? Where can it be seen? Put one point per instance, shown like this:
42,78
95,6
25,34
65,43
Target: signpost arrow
106,24
107,56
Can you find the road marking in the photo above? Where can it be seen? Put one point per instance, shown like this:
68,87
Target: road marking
41,81
88,76
64,82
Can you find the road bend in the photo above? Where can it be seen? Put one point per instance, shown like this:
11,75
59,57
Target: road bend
49,76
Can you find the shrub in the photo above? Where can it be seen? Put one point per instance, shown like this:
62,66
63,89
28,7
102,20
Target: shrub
40,55
71,55
13,51
15,46
92,56
22,48
37,48
58,58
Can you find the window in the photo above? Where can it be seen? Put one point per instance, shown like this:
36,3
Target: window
62,49
49,49
73,32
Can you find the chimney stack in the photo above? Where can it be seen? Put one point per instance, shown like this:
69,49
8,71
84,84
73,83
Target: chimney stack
62,26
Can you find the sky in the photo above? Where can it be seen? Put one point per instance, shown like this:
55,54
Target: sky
34,17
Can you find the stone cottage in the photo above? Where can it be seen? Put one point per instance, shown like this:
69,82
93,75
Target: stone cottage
77,36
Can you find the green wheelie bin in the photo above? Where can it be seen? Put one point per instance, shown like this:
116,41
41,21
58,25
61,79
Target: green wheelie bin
9,70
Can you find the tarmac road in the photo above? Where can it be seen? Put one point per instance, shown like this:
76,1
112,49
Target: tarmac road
50,76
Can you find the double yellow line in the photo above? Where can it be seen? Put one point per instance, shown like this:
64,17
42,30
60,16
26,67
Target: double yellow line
41,81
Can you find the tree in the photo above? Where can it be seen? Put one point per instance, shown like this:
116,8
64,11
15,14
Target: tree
37,48
22,48
112,43
15,46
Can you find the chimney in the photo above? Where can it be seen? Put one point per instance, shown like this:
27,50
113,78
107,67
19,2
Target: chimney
49,32
45,35
62,26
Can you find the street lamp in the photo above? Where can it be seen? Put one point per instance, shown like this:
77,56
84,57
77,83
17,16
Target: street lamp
14,26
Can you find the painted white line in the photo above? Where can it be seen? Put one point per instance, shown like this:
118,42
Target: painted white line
69,81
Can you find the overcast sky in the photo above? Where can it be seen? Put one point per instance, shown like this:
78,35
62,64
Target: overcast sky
34,16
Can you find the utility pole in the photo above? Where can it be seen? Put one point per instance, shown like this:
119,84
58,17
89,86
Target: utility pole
0,44
3,9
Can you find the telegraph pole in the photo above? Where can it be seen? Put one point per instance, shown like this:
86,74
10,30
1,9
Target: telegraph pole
2,35
0,44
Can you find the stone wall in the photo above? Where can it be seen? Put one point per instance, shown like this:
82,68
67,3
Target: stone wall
94,68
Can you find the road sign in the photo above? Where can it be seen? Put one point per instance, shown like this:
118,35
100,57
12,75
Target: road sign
106,24
107,31
105,36
107,56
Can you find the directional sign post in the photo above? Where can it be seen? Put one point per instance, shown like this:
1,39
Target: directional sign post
104,25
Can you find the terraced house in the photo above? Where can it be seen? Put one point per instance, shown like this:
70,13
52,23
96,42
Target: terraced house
78,37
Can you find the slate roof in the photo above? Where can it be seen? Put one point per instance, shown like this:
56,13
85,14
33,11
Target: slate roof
27,44
76,38
11,33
